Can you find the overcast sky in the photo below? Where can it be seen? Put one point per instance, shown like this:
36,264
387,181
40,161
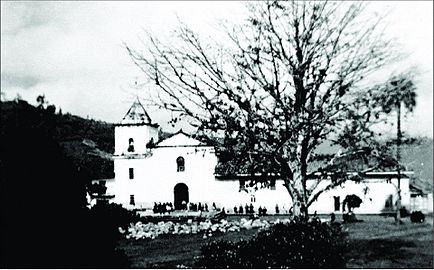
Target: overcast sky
72,51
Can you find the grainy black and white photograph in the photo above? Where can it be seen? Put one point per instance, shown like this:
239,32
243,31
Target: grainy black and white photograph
216,134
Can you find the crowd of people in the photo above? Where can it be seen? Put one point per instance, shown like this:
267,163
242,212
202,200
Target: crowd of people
162,208
247,209
200,207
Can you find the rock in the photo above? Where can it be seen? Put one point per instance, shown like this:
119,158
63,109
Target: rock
214,227
257,223
224,222
152,231
247,225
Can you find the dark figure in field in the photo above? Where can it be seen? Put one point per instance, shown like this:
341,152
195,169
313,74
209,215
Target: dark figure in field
303,210
246,207
264,211
235,210
277,209
206,207
214,207
315,217
155,209
240,209
260,211
252,211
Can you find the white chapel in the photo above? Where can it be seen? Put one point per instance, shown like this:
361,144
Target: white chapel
180,168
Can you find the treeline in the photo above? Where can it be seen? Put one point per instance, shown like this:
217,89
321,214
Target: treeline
88,143
45,222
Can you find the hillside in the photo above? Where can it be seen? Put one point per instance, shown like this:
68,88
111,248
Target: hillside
88,143
418,157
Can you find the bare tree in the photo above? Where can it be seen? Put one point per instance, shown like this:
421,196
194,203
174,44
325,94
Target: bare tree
290,78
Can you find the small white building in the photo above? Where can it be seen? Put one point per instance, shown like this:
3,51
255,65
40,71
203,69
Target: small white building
181,168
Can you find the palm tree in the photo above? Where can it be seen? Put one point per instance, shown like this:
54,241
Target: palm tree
398,91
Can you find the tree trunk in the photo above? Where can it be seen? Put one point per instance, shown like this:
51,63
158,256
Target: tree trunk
398,157
296,190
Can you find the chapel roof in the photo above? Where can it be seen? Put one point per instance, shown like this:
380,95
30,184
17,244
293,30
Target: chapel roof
180,139
136,115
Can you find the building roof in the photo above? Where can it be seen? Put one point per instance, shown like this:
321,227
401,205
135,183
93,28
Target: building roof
367,175
136,115
180,139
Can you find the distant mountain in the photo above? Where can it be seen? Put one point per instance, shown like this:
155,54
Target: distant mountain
418,157
88,143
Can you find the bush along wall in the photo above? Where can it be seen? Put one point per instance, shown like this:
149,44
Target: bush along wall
298,244
102,231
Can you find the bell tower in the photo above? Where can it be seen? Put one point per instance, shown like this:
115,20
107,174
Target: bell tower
135,132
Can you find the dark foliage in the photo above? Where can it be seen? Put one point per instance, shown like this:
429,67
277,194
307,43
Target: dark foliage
417,217
404,212
69,131
44,220
113,216
350,218
97,189
104,221
352,201
294,245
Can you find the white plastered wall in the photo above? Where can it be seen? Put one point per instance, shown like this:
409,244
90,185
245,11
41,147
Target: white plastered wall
140,134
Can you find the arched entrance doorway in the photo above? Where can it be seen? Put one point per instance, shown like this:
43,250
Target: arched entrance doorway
181,194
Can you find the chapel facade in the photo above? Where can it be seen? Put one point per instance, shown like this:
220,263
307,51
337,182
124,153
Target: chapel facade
181,169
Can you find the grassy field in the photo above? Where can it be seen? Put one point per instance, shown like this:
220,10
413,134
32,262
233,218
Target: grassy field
374,243
379,243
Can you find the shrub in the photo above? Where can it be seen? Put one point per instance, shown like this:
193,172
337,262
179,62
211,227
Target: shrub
404,212
417,217
294,245
350,218
113,215
352,201
102,233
